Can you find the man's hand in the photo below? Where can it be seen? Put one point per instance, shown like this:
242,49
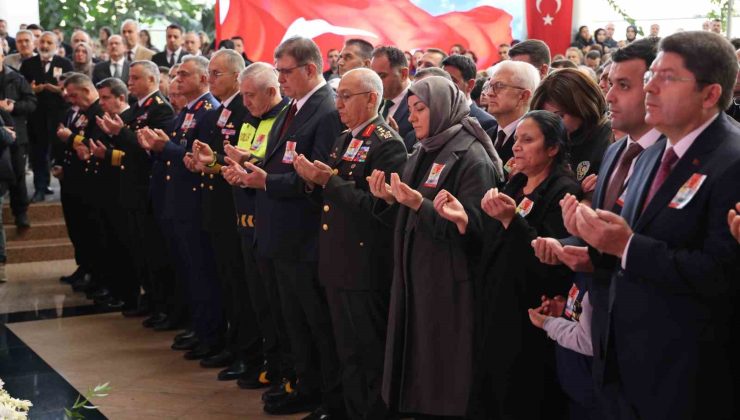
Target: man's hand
404,194
569,204
546,250
576,258
57,171
604,230
7,105
37,88
83,153
499,206
237,154
733,220
10,131
552,306
189,163
63,132
589,183
316,173
233,172
98,149
450,208
203,153
110,124
53,88
379,188
256,177
536,317
153,140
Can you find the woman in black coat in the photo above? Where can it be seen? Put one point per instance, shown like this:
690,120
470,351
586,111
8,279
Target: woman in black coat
514,378
429,346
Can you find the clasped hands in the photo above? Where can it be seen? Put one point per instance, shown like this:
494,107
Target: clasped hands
395,192
152,140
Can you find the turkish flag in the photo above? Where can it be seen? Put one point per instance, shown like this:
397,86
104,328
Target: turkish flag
550,21
264,24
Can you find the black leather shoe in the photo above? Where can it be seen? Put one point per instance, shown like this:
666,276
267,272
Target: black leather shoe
48,191
167,325
201,352
276,392
319,414
83,283
22,222
101,293
78,274
253,380
221,360
115,305
185,335
186,344
295,402
154,320
104,300
233,372
136,311
38,196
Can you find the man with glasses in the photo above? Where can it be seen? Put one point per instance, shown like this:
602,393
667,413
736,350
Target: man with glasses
509,93
357,284
671,333
286,228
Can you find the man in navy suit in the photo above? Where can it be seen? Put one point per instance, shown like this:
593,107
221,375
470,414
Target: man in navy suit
391,65
463,70
287,227
671,327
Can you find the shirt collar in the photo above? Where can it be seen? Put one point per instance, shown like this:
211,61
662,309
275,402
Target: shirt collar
683,144
509,128
362,126
227,102
300,102
141,101
175,53
119,62
648,139
191,104
398,99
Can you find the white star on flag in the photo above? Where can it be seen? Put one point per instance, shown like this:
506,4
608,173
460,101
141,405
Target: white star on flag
548,19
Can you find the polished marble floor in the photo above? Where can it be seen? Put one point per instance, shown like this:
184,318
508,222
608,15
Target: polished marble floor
55,344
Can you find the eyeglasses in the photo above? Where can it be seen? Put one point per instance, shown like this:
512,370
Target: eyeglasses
662,77
498,86
289,70
216,74
344,96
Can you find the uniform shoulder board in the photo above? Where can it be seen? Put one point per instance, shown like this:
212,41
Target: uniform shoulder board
159,100
383,132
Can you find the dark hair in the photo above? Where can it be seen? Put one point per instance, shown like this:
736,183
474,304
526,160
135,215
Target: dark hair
563,64
366,48
164,71
303,51
463,63
578,34
395,56
107,30
593,55
116,86
709,57
460,46
554,132
574,93
431,71
735,43
643,49
226,44
148,36
34,26
436,50
596,32
175,26
477,91
474,56
538,52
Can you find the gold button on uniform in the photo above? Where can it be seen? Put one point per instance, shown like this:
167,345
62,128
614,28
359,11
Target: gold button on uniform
211,176
326,209
169,163
123,167
195,189
325,227
210,187
202,185
167,177
335,171
362,243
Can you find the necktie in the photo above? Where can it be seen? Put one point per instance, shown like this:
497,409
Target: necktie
116,70
620,175
500,139
387,104
130,55
666,165
172,59
288,120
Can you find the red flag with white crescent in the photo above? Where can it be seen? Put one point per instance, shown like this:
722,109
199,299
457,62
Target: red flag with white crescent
265,23
550,21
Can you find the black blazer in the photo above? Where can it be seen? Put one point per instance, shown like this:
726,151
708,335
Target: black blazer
218,199
672,311
49,104
101,71
402,119
75,179
11,44
288,222
14,86
349,227
506,152
160,58
485,119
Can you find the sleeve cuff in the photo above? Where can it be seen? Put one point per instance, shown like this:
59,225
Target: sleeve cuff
626,250
117,157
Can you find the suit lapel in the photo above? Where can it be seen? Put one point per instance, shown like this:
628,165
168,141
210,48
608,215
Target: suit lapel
402,112
607,166
639,184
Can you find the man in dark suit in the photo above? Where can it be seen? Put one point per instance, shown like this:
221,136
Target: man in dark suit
180,207
358,284
462,70
534,52
391,65
9,40
509,94
173,52
43,72
287,227
671,328
116,66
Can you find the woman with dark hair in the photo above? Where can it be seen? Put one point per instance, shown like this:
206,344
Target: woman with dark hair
583,39
103,34
577,99
600,39
631,33
514,374
82,57
145,39
429,348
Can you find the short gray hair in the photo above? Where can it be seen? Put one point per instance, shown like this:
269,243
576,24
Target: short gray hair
127,21
201,63
149,67
303,50
82,32
262,74
24,32
525,75
234,60
79,80
50,33
369,82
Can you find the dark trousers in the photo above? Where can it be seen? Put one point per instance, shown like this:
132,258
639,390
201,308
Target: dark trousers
151,259
360,320
614,403
309,328
176,296
120,267
194,262
19,191
81,222
40,133
267,312
242,336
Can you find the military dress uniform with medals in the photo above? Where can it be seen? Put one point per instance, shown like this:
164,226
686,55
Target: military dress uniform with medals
182,212
357,283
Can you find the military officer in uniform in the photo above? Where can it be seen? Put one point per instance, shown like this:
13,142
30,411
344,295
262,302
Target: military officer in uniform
357,284
261,96
176,192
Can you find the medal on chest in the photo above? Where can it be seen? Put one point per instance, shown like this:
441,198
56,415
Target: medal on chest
289,154
223,118
434,174
573,306
687,191
352,149
524,207
257,142
188,122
